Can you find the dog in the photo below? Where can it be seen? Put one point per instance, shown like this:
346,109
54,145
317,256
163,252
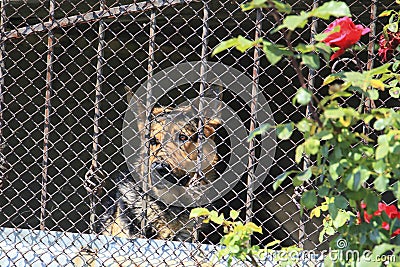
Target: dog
173,146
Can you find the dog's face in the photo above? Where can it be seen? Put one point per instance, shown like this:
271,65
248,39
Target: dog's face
174,146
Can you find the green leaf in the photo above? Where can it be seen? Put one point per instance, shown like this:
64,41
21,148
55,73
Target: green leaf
282,7
274,53
311,60
243,44
386,13
284,131
273,243
341,219
304,175
372,201
381,152
333,170
361,80
215,218
341,202
379,166
321,239
334,113
311,146
324,48
324,135
224,46
333,210
393,27
282,177
395,92
263,128
294,21
356,195
373,94
330,231
322,36
377,84
332,8
396,190
309,199
383,147
380,70
304,126
253,227
234,249
299,153
323,191
396,65
381,124
381,183
254,4
329,79
234,214
197,212
304,49
303,96
356,178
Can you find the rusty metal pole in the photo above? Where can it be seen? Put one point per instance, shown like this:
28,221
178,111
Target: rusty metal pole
253,118
199,176
303,236
149,97
94,173
3,163
47,111
369,103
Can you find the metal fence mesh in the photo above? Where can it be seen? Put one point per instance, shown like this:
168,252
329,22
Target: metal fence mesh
65,69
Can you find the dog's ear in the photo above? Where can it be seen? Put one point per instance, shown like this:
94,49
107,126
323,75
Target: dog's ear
215,123
211,126
212,104
138,108
214,91
160,110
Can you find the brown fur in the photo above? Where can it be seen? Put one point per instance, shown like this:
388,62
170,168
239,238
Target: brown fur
173,143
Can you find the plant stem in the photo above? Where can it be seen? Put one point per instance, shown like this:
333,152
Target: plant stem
360,68
358,203
287,35
253,260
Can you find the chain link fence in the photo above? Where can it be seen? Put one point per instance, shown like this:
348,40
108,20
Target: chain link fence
102,101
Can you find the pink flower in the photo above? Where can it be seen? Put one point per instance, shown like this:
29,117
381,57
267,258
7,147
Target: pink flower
348,35
387,46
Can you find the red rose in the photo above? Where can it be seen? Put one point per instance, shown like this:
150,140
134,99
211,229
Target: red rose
390,210
386,226
347,36
397,232
387,46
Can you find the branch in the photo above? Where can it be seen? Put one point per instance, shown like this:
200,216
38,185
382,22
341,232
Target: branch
253,260
287,35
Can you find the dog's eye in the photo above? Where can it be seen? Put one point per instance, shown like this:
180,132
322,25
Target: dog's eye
183,137
153,141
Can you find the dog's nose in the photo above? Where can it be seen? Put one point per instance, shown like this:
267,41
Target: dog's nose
162,167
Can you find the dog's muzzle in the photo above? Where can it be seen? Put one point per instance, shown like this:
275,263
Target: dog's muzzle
165,170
